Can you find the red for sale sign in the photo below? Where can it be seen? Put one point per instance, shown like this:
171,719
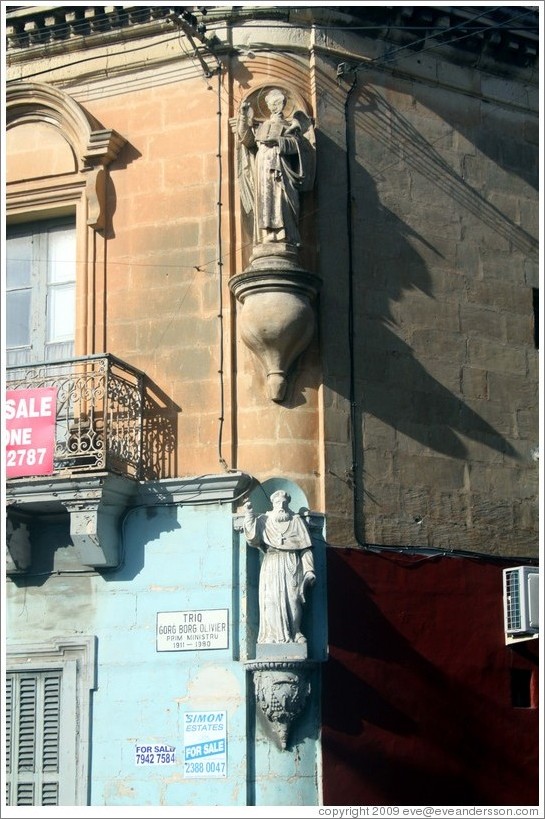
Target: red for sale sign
30,431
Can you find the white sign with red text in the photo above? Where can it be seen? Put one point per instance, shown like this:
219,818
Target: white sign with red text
30,431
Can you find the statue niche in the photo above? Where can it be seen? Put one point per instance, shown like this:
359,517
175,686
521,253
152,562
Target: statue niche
276,163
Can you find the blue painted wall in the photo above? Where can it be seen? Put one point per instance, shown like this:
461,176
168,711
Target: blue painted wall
176,556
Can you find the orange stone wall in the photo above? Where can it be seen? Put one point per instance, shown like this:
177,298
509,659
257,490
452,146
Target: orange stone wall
156,291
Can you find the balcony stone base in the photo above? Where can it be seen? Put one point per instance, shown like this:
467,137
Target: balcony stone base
94,503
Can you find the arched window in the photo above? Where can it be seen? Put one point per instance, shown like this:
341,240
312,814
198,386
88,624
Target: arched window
56,196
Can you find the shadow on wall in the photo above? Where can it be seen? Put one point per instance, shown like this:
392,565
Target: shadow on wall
416,699
391,259
407,147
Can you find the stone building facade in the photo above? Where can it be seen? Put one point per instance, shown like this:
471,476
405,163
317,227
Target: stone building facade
382,368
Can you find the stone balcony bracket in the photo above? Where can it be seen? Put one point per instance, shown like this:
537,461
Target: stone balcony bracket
95,505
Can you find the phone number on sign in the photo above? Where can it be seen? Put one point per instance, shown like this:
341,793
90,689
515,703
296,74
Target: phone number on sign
156,759
25,457
204,767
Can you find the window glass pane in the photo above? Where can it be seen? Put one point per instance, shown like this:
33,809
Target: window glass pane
61,255
41,291
60,313
18,259
18,318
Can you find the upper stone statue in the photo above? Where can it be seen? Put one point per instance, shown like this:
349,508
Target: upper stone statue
276,164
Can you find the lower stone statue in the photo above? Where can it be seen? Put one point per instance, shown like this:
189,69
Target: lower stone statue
287,569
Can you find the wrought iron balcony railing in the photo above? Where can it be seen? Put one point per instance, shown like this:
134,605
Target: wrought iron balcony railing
109,417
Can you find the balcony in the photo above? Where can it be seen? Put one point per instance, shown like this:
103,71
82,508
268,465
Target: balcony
109,417
113,429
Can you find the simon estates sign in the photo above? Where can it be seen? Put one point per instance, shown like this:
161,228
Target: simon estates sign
30,431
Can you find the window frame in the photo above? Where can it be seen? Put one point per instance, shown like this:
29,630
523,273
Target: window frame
75,659
83,191
40,347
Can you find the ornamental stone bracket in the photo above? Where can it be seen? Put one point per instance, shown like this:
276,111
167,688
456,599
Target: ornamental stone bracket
277,317
94,524
94,504
282,688
102,148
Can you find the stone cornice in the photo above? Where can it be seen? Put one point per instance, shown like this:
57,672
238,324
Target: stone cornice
228,487
96,503
506,35
36,31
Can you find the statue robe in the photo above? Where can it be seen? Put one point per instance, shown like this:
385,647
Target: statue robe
287,559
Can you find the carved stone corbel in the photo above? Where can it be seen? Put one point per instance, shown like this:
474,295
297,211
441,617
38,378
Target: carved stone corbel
95,190
277,317
281,689
94,523
104,146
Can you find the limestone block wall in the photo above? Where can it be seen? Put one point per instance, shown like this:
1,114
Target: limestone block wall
163,272
438,272
154,289
412,417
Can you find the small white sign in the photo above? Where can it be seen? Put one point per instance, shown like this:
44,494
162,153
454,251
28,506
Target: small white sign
205,740
154,754
192,630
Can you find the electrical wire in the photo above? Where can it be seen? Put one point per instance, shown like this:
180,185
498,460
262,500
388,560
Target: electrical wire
429,552
390,55
219,264
357,67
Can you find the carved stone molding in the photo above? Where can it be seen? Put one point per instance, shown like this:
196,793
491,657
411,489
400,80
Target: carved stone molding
93,146
282,688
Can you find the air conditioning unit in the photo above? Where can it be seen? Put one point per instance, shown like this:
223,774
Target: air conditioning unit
521,602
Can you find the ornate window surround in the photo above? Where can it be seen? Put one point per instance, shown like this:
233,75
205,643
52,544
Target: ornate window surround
82,193
75,657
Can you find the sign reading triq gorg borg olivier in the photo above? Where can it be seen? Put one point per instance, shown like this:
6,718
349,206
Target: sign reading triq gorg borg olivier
192,630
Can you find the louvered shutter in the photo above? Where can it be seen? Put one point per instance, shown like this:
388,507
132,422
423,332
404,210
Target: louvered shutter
33,709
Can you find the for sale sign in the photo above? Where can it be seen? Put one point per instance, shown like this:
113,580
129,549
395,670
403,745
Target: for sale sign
205,744
30,431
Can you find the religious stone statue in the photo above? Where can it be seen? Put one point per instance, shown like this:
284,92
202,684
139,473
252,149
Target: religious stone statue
287,569
276,163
